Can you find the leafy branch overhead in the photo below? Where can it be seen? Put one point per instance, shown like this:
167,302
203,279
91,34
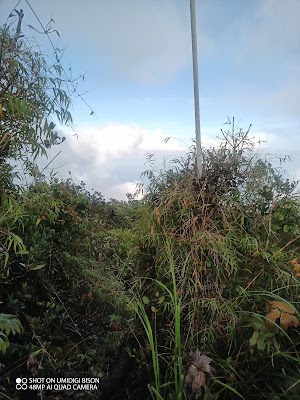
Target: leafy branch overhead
9,324
32,93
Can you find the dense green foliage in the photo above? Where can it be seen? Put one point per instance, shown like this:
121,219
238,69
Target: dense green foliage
124,291
232,237
193,265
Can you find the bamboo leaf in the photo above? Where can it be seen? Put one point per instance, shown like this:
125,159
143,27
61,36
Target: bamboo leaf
35,267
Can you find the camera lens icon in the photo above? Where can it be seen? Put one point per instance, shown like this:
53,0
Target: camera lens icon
21,383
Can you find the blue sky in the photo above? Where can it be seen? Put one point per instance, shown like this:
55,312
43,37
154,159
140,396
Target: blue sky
137,54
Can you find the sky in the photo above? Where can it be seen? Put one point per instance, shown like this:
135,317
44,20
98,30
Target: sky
139,80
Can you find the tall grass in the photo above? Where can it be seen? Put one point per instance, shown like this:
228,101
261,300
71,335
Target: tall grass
223,247
173,379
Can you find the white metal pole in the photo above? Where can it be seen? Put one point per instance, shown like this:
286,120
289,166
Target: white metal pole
199,157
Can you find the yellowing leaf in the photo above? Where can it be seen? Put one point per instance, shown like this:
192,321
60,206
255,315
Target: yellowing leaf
1,112
254,338
153,309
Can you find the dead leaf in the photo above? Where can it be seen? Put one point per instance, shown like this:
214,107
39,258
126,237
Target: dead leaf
198,382
195,377
115,326
231,378
157,213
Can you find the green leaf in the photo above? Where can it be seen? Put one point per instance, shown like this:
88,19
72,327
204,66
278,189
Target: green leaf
22,252
253,339
10,324
145,300
34,267
4,342
255,321
286,228
261,344
6,258
280,217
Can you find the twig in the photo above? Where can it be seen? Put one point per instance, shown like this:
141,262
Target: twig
5,28
18,30
288,243
58,59
253,280
52,159
269,229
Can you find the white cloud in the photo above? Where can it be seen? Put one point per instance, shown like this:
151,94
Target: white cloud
111,158
115,140
119,191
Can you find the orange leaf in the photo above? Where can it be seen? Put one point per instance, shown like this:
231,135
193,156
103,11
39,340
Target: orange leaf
287,321
294,261
296,322
280,305
271,319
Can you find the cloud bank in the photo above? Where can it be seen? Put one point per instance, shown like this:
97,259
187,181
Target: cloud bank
110,158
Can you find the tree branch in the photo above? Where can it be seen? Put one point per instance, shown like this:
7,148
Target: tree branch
18,30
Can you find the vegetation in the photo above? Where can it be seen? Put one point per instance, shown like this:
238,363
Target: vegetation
128,291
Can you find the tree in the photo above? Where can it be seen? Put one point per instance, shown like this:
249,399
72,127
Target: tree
32,92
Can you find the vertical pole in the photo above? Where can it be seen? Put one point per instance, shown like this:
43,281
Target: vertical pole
199,157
